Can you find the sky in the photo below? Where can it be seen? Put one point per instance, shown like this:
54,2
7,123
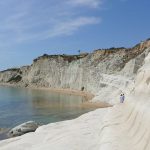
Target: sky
31,28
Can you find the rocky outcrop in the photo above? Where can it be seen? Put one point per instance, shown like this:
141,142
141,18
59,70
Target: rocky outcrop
103,70
124,126
26,127
131,118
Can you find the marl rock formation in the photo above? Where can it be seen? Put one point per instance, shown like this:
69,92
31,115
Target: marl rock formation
102,70
125,126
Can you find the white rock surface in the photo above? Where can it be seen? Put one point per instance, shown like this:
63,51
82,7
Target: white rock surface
103,70
122,127
127,125
82,133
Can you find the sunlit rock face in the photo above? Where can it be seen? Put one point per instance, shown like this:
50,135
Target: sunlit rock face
125,126
142,84
99,72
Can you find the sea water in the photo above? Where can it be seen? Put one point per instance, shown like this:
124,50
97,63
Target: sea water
18,105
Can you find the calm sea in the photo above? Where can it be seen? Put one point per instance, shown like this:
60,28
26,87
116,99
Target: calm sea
18,105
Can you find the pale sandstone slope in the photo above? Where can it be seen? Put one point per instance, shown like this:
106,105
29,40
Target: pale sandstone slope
127,125
78,134
122,127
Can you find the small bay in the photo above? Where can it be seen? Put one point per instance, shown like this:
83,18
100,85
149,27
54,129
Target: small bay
18,105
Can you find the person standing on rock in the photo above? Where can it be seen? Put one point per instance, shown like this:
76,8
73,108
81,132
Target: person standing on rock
122,97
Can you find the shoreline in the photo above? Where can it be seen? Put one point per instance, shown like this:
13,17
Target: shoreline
87,103
87,95
56,90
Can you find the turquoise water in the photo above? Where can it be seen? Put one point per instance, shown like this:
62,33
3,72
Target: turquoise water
18,105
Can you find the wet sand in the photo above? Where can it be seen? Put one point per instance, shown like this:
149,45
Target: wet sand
87,103
87,95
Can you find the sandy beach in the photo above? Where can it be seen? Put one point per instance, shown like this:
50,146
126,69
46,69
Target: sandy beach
87,95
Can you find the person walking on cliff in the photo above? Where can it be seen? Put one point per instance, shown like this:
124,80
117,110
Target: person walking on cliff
122,97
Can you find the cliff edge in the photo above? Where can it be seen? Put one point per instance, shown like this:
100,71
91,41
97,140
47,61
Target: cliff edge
125,126
102,70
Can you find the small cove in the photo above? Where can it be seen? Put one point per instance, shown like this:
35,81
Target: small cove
18,105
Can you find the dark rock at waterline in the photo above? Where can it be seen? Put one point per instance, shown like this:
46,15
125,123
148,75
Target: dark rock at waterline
26,127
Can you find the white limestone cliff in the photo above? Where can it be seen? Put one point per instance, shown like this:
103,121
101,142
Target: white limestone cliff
101,71
121,127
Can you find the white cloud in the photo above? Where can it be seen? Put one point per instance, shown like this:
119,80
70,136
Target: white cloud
67,28
89,3
62,28
37,19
